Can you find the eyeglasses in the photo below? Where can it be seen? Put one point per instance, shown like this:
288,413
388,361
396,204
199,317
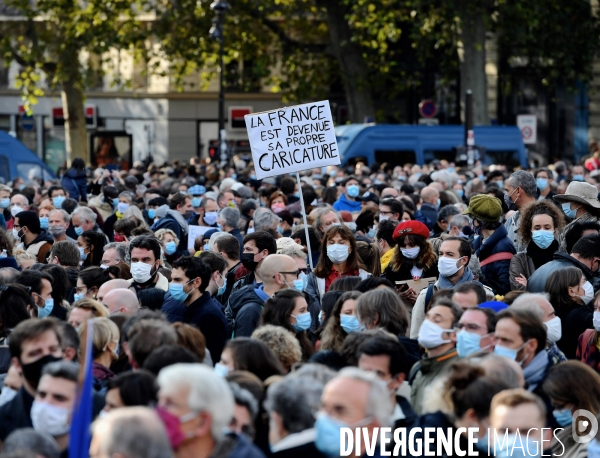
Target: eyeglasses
304,270
385,213
468,326
296,273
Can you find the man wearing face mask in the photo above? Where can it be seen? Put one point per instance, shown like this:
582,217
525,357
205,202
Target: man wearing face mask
228,221
347,200
218,267
18,203
454,256
37,241
476,331
255,248
33,344
52,409
520,190
58,222
387,358
437,335
585,256
84,219
144,252
521,336
41,291
539,304
180,209
245,306
196,192
205,214
580,204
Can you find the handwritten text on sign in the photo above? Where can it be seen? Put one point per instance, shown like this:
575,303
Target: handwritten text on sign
292,139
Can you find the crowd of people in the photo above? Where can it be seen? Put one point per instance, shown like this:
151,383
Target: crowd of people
417,296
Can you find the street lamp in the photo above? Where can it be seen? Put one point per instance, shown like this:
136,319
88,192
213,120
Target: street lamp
220,7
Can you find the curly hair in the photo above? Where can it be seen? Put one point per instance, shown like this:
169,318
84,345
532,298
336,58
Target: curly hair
424,260
283,343
541,207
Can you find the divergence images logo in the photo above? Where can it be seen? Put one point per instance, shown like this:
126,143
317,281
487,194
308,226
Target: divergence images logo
584,422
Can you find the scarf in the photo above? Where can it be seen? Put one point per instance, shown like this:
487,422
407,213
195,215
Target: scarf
119,215
540,256
444,283
535,370
386,259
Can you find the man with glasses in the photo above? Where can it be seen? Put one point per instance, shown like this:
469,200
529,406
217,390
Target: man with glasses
476,331
277,272
189,282
390,209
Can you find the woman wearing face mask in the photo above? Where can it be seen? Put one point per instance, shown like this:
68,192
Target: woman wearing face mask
169,243
105,349
468,392
580,204
277,202
252,355
288,308
570,294
90,280
91,245
571,386
588,346
414,257
339,258
540,222
347,200
342,321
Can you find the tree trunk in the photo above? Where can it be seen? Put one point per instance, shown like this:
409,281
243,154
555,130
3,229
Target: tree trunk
350,59
472,69
75,128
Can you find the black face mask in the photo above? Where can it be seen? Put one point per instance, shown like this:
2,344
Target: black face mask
249,262
33,371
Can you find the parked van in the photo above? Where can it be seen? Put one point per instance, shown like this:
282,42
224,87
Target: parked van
402,144
16,160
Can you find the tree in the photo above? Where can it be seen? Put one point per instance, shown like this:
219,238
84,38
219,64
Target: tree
50,38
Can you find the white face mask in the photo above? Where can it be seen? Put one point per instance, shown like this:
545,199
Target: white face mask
430,335
50,419
337,253
448,266
589,292
383,218
554,328
7,395
410,253
597,321
140,271
14,211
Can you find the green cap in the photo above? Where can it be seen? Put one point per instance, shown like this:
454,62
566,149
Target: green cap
484,207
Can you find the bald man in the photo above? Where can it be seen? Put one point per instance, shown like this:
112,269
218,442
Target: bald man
245,306
429,207
121,300
111,285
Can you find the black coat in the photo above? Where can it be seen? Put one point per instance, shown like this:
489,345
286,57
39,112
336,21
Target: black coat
243,311
574,321
207,315
16,414
496,275
302,451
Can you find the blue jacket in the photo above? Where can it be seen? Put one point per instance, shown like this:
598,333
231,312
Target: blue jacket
537,282
169,222
75,183
172,309
343,203
428,215
497,274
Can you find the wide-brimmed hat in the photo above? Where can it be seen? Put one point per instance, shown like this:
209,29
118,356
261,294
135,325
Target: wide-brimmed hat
583,193
485,208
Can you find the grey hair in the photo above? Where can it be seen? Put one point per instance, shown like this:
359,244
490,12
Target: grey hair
245,192
226,184
525,181
213,238
446,212
500,368
30,440
208,392
243,397
231,216
85,213
475,267
265,220
65,215
129,195
378,405
294,251
296,400
322,211
8,275
121,249
315,371
205,201
529,301
459,221
133,432
62,369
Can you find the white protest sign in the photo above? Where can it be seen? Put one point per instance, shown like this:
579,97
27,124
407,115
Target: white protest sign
195,232
292,139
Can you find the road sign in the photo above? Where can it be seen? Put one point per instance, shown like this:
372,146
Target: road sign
527,124
427,108
27,121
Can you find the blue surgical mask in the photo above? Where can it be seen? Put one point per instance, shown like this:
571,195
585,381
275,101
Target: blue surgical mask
47,309
467,343
79,230
210,218
594,449
78,297
151,213
349,323
439,203
221,370
205,247
58,201
222,288
302,322
578,178
510,353
371,233
5,203
280,230
196,201
122,207
327,438
297,194
564,417
541,183
115,201
568,211
44,222
170,247
299,284
353,190
82,254
543,239
460,193
177,292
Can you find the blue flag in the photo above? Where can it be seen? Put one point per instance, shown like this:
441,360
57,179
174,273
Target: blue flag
80,434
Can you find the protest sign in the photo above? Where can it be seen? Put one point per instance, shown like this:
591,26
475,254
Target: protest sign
292,139
194,233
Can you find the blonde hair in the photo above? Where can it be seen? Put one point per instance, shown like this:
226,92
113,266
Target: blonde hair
105,331
134,211
283,343
160,234
97,309
21,256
